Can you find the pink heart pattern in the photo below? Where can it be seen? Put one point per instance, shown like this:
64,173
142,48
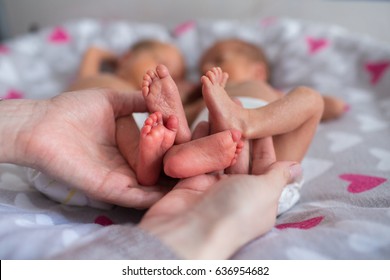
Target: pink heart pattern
361,183
13,94
103,221
306,224
183,28
268,21
376,70
315,45
59,36
4,49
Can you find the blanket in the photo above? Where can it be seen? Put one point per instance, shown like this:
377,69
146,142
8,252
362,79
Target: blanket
344,209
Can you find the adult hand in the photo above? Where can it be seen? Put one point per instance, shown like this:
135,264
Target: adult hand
71,137
208,216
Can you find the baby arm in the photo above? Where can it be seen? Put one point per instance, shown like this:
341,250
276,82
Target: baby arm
92,61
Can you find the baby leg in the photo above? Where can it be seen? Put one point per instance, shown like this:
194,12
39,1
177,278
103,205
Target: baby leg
201,130
220,108
291,120
333,108
127,137
207,154
156,138
263,155
241,165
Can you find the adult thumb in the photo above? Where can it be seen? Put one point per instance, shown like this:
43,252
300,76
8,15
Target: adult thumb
126,103
284,172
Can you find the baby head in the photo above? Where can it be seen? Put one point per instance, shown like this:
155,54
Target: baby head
147,54
243,61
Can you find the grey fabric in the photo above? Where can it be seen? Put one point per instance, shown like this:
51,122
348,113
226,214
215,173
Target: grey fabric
344,210
117,242
34,227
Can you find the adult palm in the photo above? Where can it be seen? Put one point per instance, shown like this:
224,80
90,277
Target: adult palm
71,137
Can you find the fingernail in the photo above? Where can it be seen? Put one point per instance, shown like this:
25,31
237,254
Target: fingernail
296,172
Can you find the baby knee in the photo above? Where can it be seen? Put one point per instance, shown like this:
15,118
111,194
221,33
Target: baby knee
312,97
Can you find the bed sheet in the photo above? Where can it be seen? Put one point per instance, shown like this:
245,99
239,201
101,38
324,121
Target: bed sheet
344,210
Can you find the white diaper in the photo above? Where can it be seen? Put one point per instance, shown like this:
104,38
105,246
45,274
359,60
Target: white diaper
140,119
290,194
60,192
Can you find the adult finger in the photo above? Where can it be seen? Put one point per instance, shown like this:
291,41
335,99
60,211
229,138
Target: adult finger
282,173
125,103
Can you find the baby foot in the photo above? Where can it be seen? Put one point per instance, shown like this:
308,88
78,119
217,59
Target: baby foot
204,155
161,94
224,113
333,108
241,166
155,139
